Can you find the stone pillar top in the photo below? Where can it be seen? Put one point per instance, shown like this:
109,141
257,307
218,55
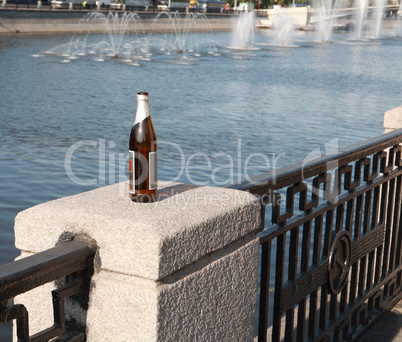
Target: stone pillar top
393,119
149,240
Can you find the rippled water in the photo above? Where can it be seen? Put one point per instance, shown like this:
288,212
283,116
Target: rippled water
280,102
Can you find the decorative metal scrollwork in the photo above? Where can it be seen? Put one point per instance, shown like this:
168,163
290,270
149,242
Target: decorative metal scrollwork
339,261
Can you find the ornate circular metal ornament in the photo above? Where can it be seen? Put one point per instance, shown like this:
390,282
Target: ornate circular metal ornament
339,261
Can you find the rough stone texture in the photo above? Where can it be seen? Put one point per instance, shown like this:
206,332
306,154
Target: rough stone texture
216,303
393,119
180,269
212,301
122,308
147,240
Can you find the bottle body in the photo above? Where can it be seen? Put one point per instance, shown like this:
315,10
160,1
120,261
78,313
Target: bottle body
143,151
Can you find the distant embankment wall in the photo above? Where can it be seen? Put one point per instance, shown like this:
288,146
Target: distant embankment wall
59,21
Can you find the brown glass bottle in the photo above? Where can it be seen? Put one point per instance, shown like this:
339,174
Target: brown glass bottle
143,154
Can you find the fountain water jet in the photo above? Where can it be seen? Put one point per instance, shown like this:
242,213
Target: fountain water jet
285,27
181,27
362,6
379,16
119,44
116,28
182,34
181,37
243,31
326,10
115,42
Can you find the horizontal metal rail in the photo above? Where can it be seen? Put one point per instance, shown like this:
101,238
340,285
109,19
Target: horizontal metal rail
277,179
71,261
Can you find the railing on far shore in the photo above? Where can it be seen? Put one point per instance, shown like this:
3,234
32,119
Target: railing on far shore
331,248
70,265
69,5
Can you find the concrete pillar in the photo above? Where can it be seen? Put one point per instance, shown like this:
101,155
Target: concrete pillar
70,6
39,4
4,4
181,269
393,119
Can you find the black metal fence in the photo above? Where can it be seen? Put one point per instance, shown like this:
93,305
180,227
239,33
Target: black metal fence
331,246
71,264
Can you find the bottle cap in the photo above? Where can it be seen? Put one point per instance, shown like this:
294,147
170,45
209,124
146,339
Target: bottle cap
142,96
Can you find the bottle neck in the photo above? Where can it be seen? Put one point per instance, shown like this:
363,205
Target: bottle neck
142,109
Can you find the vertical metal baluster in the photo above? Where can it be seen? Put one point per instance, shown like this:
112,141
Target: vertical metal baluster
362,276
353,283
398,256
312,322
367,211
324,289
292,273
399,227
58,309
362,279
358,217
348,227
328,232
370,271
388,216
333,305
369,279
340,211
349,216
305,263
396,222
317,240
384,248
264,290
323,307
279,271
378,252
356,237
22,324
